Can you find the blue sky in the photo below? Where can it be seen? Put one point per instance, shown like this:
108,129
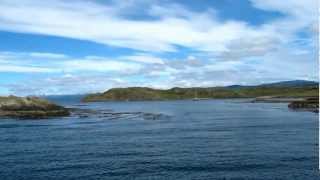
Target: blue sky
64,47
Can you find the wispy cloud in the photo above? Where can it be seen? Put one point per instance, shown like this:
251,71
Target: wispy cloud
35,62
144,58
222,52
174,24
25,69
96,74
47,55
99,66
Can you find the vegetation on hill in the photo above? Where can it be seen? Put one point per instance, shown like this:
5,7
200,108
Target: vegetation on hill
143,93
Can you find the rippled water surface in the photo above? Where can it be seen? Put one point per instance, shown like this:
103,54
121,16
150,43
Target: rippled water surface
210,139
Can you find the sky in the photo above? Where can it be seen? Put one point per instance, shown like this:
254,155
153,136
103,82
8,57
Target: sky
57,47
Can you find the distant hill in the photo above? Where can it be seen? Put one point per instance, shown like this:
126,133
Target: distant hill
295,83
236,87
281,89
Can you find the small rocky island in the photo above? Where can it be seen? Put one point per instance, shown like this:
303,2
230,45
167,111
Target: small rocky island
30,108
294,103
308,104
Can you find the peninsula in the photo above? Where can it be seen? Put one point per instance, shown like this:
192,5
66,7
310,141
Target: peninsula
292,89
299,94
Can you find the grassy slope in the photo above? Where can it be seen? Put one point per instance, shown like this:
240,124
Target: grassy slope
139,93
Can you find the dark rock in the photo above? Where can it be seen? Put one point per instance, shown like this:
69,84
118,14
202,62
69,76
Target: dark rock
309,104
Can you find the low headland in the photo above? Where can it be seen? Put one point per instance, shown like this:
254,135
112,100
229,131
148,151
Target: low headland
30,108
282,92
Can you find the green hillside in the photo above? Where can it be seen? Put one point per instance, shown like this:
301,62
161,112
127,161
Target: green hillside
143,93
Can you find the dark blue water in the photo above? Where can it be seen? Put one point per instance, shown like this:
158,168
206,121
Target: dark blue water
212,139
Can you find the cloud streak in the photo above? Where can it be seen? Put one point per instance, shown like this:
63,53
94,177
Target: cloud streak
174,24
222,52
96,74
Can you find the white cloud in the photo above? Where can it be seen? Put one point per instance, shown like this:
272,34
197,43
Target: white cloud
99,66
25,69
302,9
144,58
30,55
47,55
54,63
94,74
176,26
65,84
223,52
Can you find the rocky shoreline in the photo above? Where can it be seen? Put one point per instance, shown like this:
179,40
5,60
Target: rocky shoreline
30,108
275,99
309,104
294,103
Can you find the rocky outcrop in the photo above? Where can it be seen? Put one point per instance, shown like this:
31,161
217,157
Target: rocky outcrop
30,108
309,104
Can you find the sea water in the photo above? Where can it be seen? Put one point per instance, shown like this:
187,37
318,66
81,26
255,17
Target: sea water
209,139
